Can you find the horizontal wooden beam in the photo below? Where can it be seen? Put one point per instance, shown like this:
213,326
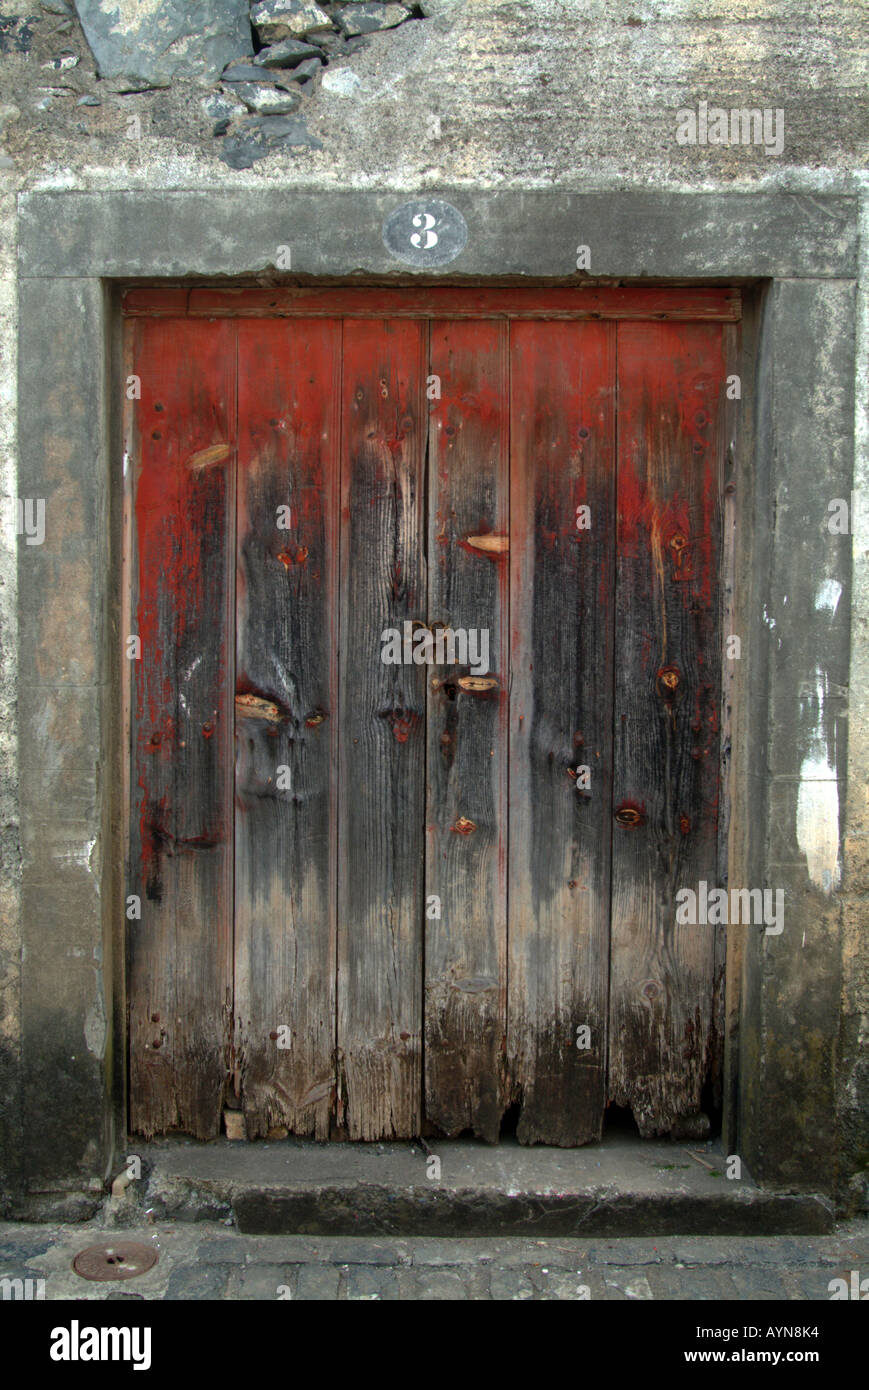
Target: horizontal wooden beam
440,301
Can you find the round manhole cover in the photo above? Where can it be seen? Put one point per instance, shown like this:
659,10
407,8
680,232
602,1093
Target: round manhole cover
123,1260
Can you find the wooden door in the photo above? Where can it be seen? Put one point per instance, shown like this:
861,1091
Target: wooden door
382,895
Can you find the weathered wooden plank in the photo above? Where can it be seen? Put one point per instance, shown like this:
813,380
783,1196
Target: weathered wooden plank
182,446
163,302
444,301
726,997
665,791
730,946
286,730
382,730
467,729
562,447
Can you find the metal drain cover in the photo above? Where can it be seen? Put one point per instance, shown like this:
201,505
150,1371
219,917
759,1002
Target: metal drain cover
122,1260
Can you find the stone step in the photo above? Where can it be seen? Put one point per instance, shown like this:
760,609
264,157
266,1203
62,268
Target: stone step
620,1187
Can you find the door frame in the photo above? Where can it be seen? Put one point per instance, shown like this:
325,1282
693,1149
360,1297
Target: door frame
795,257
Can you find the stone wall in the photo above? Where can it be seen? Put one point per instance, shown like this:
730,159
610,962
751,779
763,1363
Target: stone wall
513,94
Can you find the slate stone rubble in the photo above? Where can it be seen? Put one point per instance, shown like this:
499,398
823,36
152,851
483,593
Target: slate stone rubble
246,72
304,70
333,43
171,39
287,19
366,19
62,63
296,41
268,101
342,81
255,72
286,54
255,137
222,109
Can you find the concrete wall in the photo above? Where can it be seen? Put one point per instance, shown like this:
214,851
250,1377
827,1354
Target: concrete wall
472,96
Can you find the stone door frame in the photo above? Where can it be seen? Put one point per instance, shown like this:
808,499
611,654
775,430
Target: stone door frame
795,258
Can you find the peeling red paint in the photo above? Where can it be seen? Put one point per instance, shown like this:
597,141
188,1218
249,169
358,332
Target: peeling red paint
677,530
179,483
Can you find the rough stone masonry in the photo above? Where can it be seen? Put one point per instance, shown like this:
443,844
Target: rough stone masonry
162,97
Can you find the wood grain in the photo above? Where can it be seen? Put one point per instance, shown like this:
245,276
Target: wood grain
562,446
363,790
444,301
180,953
286,732
467,732
382,731
668,679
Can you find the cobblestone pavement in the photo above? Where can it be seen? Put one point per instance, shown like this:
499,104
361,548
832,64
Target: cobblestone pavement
200,1261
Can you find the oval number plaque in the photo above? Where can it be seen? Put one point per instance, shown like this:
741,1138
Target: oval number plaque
425,232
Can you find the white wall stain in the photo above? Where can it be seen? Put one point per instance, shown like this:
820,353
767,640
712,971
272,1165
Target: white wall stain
818,804
95,1029
80,854
827,597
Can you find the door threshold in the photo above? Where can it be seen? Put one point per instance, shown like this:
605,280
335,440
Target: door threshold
622,1186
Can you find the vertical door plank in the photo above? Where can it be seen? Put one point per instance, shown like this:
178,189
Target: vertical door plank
665,790
286,725
382,730
180,953
467,730
562,453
